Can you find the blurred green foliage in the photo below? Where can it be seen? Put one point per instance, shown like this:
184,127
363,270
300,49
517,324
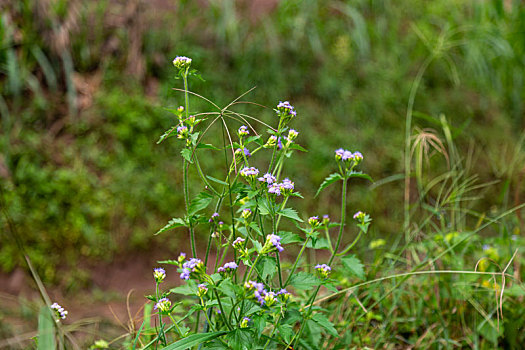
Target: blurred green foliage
83,86
82,174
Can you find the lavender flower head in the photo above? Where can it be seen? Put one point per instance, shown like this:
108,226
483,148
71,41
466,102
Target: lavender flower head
182,132
284,294
274,240
250,172
274,189
347,155
286,110
213,217
268,178
313,221
244,322
287,186
292,134
323,270
228,267
201,290
326,219
60,312
246,151
181,258
159,274
182,62
243,131
358,156
360,216
163,305
246,213
238,242
191,266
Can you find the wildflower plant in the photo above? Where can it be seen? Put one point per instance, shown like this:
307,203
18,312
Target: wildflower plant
260,290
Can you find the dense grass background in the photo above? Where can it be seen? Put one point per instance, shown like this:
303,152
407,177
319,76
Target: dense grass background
84,86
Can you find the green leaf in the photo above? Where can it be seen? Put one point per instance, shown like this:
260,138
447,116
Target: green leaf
240,339
298,147
173,223
185,289
266,267
354,266
330,179
325,323
289,237
286,332
187,153
360,175
211,178
46,329
290,213
228,288
167,133
200,202
207,146
304,280
194,339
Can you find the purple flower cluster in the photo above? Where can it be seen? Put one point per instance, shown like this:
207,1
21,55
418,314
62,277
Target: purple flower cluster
182,62
245,150
189,267
249,172
285,109
285,187
313,221
246,213
182,132
159,274
163,305
243,131
360,216
268,178
345,155
213,217
244,322
201,290
275,240
263,296
60,312
323,270
228,267
238,242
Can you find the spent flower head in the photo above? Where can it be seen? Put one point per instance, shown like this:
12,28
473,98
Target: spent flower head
202,289
244,322
360,216
246,213
182,132
159,274
292,134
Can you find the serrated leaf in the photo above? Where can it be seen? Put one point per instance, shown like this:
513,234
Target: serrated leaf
266,267
194,339
291,214
304,280
360,175
186,153
240,339
286,332
168,133
325,323
354,266
289,237
173,223
200,202
227,288
330,179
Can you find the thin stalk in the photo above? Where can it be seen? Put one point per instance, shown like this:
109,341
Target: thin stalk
294,267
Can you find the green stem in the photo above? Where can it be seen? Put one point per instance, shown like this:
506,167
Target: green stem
294,267
176,325
347,249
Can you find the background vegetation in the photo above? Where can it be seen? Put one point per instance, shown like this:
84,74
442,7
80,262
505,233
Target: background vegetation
83,91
